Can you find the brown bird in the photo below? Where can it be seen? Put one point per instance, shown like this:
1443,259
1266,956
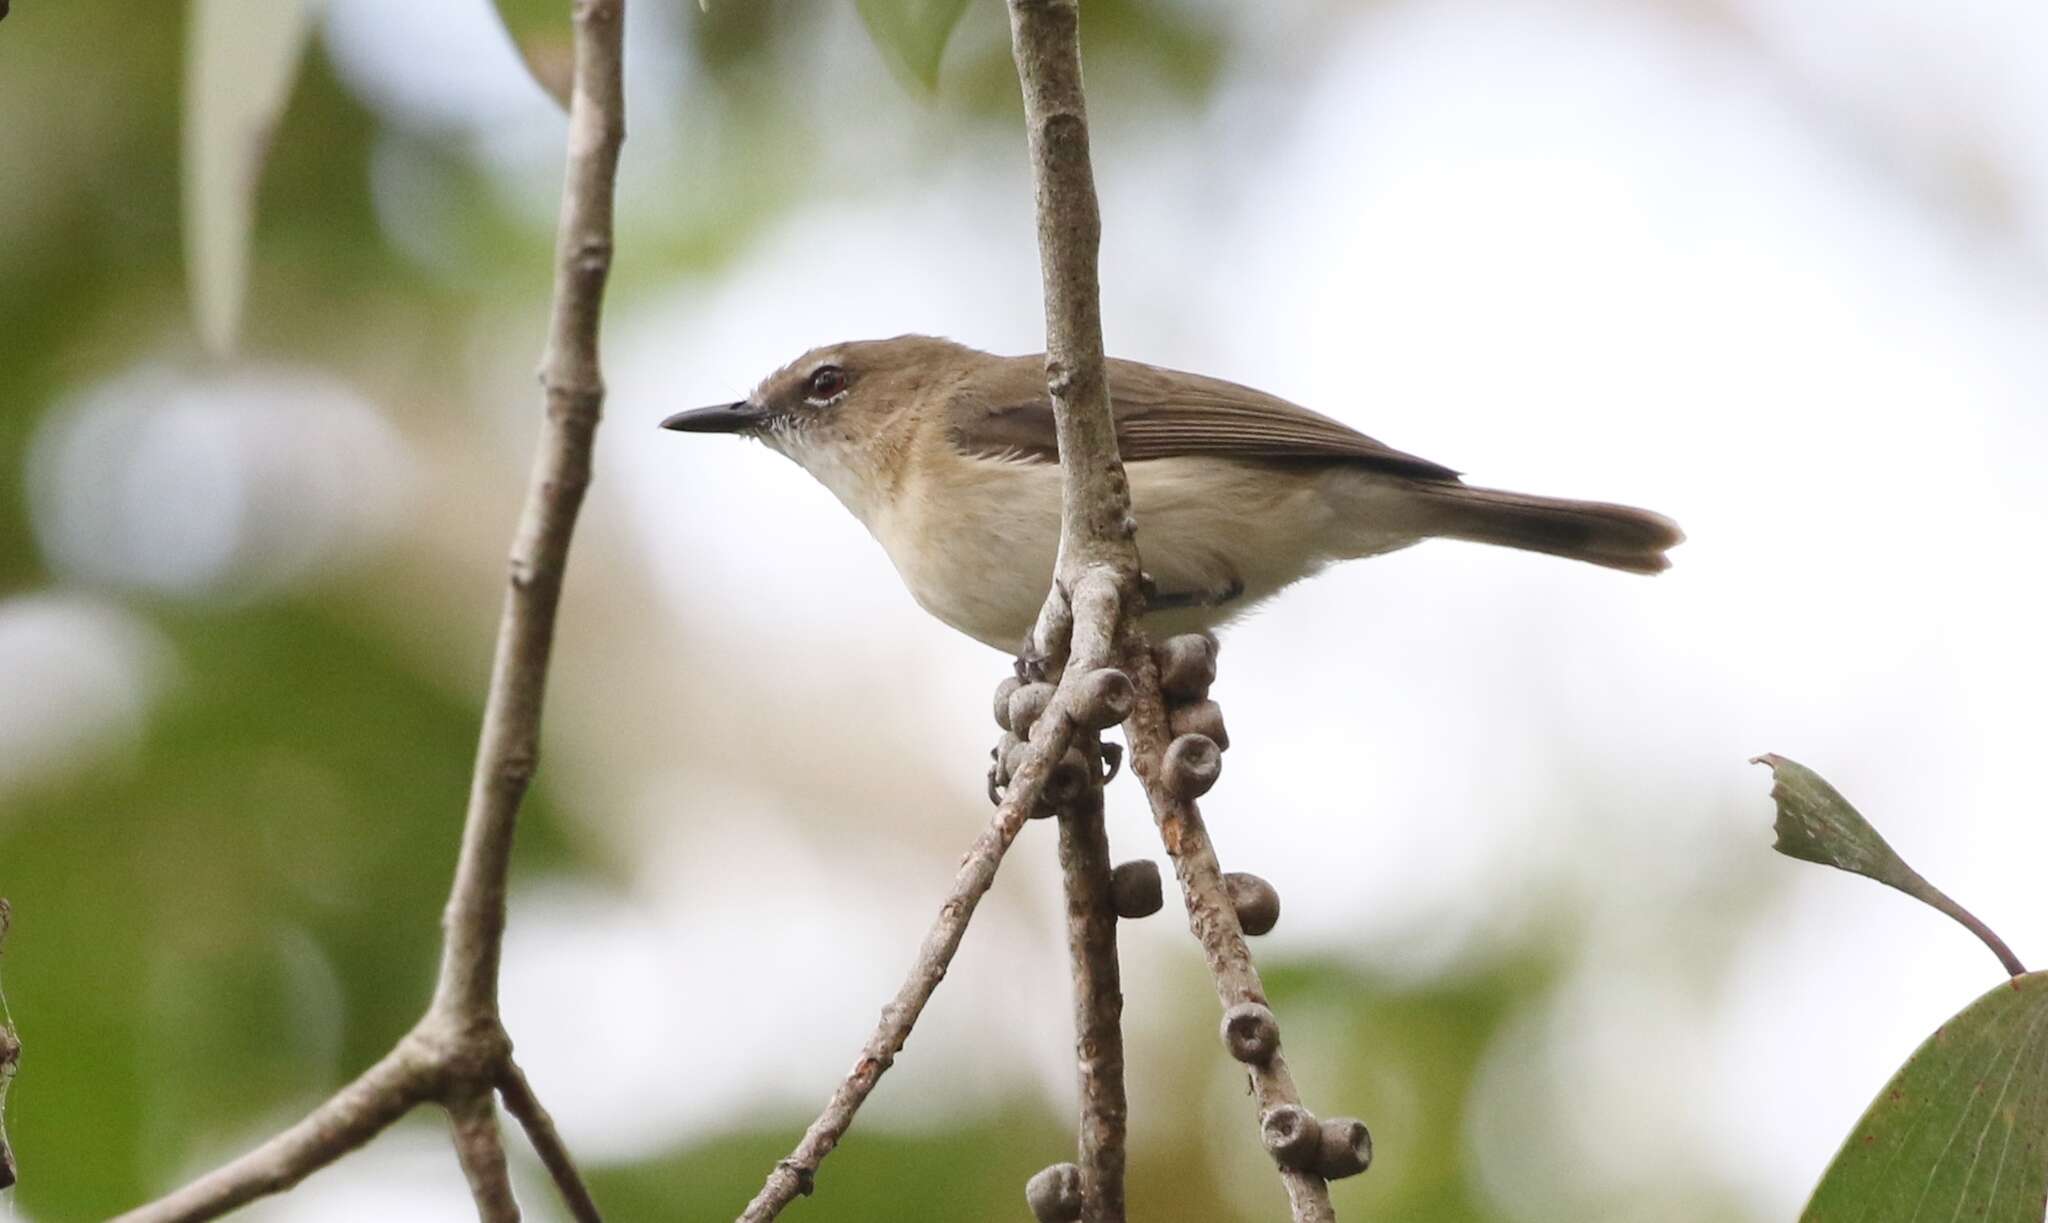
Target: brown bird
947,455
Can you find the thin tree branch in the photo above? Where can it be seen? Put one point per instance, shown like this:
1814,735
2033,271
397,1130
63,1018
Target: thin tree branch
1051,735
1097,530
10,1041
1098,1007
1098,561
1210,914
509,750
480,1148
459,1053
794,1176
523,1104
351,1117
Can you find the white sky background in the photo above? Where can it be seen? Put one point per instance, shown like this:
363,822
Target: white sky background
1715,268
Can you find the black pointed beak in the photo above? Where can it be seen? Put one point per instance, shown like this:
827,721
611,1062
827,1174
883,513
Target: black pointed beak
723,418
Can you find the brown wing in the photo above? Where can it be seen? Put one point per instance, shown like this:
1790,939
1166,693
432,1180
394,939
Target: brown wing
1163,413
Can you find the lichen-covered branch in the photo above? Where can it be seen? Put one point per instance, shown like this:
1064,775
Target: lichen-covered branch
458,1053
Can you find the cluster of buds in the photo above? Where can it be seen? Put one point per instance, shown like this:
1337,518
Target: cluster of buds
1332,1149
1102,699
1194,758
1193,761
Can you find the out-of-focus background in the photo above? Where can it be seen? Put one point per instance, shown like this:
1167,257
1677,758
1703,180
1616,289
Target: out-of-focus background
1778,268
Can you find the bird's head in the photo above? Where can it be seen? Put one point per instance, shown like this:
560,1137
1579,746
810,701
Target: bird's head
846,412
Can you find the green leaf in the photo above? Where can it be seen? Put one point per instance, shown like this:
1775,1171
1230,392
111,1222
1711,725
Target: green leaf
241,57
1816,824
546,38
1961,1132
912,35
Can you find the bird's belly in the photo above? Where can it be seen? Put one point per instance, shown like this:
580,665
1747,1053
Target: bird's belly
976,544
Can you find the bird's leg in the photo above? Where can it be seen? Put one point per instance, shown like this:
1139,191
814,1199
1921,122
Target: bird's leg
1173,599
1032,664
1044,652
1112,760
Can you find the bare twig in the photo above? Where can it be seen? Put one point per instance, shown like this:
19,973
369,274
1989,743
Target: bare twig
547,1143
1210,913
346,1120
1097,530
459,1053
1098,561
1098,1007
793,1177
10,1042
480,1148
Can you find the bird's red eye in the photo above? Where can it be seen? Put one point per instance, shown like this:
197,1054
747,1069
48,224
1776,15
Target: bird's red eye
827,381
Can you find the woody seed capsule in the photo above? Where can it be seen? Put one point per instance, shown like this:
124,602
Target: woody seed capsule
1204,717
1134,889
1187,666
1345,1148
1191,766
1257,904
1251,1033
1026,704
1292,1136
1004,691
1054,1194
1068,779
1104,699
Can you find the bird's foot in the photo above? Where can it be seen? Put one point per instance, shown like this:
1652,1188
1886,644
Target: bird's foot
1033,665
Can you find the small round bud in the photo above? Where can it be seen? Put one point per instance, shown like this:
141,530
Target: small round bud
1203,717
1104,699
1292,1136
1068,779
1015,751
1191,766
1010,756
1257,904
1187,666
1026,704
1251,1033
1134,889
1345,1148
1054,1194
1004,691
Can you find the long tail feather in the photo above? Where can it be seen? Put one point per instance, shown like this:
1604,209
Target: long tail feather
1617,536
